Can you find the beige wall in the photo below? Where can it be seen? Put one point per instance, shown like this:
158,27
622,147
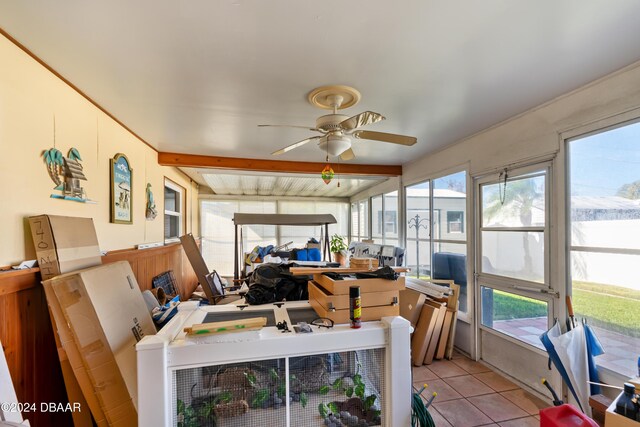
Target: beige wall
30,98
536,132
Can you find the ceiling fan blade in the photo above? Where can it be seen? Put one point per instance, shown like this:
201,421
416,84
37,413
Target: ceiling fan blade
362,119
348,155
292,126
385,137
295,145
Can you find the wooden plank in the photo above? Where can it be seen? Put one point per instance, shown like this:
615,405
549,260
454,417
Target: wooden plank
12,281
437,329
237,325
423,333
306,271
444,335
448,354
411,303
267,165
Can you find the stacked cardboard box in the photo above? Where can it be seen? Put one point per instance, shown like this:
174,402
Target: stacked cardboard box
379,297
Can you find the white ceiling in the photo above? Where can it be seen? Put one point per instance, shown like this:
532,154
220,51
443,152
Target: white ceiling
295,185
198,76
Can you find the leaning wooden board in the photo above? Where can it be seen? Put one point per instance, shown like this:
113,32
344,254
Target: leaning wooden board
437,329
411,303
422,335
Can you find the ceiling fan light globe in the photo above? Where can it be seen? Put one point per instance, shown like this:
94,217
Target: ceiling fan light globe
335,145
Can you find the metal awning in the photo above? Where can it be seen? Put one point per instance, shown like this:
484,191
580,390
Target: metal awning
283,219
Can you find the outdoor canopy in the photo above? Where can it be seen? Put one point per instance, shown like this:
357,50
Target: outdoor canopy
240,219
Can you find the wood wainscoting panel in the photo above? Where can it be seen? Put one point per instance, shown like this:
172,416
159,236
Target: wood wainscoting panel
148,263
29,346
27,335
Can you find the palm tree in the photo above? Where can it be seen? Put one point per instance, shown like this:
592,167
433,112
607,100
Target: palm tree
630,191
53,159
74,154
518,200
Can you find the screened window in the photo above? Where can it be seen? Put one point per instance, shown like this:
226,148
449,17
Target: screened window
173,210
604,216
513,253
390,218
359,220
436,232
384,218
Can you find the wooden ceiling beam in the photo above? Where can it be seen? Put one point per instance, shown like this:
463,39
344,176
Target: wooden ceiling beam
286,166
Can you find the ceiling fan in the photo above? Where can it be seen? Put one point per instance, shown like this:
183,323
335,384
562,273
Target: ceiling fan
337,130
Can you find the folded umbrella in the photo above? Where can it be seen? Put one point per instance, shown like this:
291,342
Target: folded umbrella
568,352
594,348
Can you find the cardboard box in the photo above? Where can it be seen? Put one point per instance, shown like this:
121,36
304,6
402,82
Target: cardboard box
64,244
106,314
74,373
611,419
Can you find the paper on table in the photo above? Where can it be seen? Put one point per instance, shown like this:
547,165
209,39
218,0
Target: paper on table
25,264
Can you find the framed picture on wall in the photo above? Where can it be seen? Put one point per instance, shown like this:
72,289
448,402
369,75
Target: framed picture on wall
121,194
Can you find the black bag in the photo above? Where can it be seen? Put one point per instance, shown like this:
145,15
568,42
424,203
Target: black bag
381,273
274,283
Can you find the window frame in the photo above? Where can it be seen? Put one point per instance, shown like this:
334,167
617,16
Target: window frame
433,215
538,291
182,192
607,124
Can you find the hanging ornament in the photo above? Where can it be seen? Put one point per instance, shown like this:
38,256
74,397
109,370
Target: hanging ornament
327,174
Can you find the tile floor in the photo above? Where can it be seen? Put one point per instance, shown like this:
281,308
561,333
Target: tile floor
470,394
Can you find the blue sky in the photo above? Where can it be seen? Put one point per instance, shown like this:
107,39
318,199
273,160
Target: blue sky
602,163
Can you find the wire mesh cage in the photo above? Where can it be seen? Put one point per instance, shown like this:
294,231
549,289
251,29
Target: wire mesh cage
331,389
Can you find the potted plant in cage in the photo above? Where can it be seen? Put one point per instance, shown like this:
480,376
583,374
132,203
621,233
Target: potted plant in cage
338,247
359,409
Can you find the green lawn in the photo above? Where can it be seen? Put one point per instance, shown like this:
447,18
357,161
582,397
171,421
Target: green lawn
611,307
509,306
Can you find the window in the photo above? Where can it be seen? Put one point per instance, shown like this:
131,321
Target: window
604,238
455,222
390,218
359,220
437,249
384,218
174,203
217,228
513,254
